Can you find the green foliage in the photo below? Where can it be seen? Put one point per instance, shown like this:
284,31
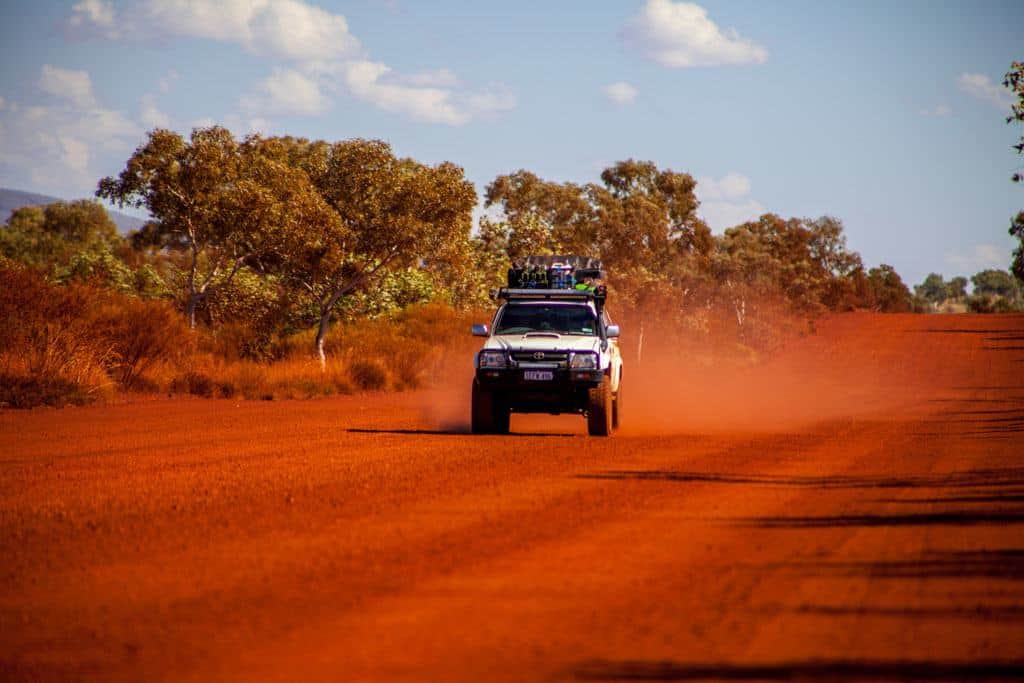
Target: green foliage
49,238
394,291
101,267
995,291
1014,80
222,203
995,283
888,294
639,217
1017,230
933,289
956,288
390,213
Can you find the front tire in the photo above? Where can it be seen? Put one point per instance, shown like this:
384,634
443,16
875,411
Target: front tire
617,408
489,415
599,409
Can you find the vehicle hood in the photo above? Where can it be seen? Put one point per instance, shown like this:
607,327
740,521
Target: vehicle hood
545,342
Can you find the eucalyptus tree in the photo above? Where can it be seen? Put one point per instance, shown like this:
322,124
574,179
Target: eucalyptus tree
391,212
220,202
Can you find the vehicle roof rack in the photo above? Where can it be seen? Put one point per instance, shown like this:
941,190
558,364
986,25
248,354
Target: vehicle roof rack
598,295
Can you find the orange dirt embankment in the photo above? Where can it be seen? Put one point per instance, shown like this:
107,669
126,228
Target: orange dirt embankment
852,509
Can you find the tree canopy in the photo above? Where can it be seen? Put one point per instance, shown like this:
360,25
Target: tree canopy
1014,80
222,203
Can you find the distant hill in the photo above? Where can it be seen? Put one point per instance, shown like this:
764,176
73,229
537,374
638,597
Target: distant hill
15,199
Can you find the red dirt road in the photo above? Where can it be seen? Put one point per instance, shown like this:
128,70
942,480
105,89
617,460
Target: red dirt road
854,510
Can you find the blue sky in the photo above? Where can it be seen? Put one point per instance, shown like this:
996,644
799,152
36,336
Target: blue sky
889,116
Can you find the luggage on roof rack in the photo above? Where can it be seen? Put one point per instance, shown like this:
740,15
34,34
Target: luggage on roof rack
555,272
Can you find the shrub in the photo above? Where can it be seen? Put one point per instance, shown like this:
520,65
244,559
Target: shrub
194,382
139,334
48,341
18,391
368,374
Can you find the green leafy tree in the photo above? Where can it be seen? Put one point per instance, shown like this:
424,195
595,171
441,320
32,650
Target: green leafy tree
1017,230
994,282
1014,80
640,216
806,262
48,238
933,290
956,288
888,292
647,217
390,213
220,203
995,291
541,217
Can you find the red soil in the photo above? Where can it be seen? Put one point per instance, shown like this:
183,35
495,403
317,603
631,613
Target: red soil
854,509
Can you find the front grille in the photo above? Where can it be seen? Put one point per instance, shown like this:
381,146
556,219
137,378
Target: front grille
553,357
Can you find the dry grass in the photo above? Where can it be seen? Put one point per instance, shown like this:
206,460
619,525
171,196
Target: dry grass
75,344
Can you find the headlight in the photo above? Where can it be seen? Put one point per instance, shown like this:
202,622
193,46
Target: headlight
584,361
492,359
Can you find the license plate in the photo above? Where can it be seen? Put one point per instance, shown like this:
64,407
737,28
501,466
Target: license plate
538,375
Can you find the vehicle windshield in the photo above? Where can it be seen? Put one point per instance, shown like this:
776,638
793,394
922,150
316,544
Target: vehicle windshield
520,319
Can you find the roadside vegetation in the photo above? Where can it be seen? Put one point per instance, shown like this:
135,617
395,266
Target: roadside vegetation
277,267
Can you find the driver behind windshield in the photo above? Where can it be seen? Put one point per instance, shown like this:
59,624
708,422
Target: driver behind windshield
559,319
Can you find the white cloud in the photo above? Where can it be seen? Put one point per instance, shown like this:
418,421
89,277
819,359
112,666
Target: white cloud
259,125
440,78
979,257
287,92
321,51
937,112
680,34
434,105
731,186
72,85
168,80
290,29
243,126
981,87
93,15
726,202
372,82
497,98
74,153
150,114
293,29
54,147
620,92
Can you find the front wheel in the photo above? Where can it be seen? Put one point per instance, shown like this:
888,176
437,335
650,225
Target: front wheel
617,408
489,415
599,409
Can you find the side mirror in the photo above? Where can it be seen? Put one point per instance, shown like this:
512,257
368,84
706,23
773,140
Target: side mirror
612,331
480,330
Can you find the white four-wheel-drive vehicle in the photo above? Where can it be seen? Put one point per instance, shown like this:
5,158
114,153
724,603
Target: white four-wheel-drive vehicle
551,348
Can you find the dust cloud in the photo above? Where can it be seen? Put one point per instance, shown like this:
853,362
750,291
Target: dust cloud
838,371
